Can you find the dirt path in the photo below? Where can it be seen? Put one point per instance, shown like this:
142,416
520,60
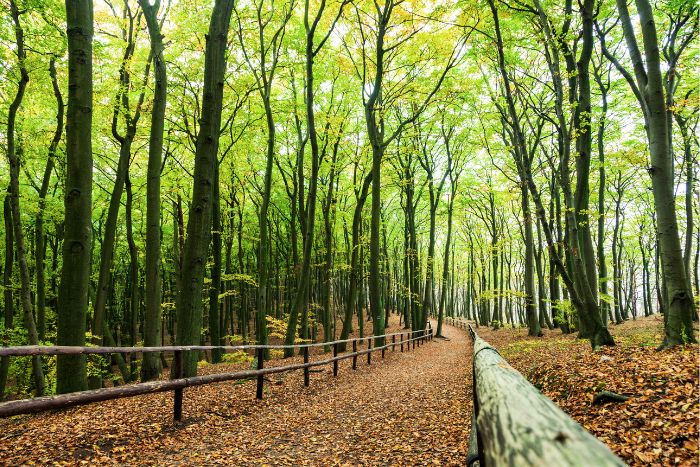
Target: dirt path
410,408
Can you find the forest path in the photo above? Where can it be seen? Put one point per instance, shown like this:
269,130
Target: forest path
409,408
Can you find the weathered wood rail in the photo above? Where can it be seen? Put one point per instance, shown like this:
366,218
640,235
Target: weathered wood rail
410,339
460,323
514,424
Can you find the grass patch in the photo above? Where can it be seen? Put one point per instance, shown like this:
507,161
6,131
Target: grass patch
640,337
533,345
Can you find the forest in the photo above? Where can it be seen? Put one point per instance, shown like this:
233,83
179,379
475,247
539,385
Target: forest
255,171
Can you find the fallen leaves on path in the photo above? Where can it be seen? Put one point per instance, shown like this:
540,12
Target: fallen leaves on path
409,408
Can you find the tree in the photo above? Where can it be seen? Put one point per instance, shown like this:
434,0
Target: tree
647,86
77,237
454,170
151,363
263,66
311,51
194,256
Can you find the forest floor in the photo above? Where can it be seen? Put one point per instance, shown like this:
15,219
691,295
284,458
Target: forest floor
408,408
411,408
658,425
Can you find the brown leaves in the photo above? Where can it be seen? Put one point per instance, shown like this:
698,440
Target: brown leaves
658,425
410,408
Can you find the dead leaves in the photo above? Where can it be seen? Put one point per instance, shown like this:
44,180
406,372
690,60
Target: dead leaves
658,425
411,408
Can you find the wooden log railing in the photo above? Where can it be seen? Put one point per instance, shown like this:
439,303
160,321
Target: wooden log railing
514,424
177,384
460,323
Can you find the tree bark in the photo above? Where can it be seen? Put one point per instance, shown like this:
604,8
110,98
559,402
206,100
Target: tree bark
150,367
679,302
14,162
189,302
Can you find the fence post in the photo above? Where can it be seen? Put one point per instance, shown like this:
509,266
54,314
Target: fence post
335,362
401,338
413,341
393,343
177,401
383,349
306,368
369,348
354,351
261,359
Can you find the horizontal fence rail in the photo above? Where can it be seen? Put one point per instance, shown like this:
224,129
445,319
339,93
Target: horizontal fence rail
514,424
460,323
177,384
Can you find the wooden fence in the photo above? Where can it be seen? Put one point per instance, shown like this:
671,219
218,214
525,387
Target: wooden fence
460,323
410,340
514,424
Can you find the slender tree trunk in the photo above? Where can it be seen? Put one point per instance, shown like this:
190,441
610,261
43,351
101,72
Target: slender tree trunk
101,331
355,267
40,242
602,263
14,162
445,265
8,302
301,300
215,286
616,260
150,367
135,296
533,323
189,303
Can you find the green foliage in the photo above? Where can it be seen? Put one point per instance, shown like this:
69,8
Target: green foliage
98,365
19,373
565,314
278,328
239,356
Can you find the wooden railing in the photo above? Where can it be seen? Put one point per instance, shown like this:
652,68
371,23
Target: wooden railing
178,383
514,424
460,323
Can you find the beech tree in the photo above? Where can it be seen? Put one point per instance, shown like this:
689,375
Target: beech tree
77,228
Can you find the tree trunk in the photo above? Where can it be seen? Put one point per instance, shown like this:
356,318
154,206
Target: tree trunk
189,303
40,242
533,323
8,302
679,302
355,274
215,286
150,367
14,162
